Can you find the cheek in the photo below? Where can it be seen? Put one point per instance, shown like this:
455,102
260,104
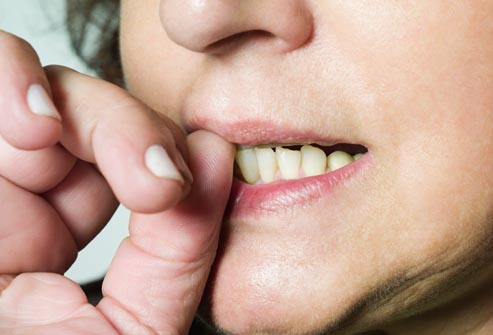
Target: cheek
431,125
433,111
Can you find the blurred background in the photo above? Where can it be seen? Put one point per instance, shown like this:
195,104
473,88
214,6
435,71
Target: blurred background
41,23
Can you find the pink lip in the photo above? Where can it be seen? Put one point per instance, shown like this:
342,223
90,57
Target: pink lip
264,199
252,132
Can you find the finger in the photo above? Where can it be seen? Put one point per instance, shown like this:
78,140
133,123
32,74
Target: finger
47,304
158,275
28,118
84,201
132,147
32,236
36,171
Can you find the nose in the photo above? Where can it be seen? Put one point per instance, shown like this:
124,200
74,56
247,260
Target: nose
200,25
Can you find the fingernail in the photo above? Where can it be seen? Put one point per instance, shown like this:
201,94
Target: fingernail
182,165
160,164
40,103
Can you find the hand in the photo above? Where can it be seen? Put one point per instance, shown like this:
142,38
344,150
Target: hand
62,171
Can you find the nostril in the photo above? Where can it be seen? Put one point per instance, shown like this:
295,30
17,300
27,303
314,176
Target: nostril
237,40
214,25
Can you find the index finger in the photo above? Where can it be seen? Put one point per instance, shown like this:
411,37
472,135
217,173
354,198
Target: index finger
133,147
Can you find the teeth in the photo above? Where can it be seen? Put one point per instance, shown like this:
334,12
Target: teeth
247,161
338,159
261,164
267,164
357,156
313,161
289,162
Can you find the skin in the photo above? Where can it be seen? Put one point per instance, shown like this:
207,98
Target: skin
403,248
62,177
408,241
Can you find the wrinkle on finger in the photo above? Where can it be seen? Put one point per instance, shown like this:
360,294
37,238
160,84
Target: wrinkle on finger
36,171
45,303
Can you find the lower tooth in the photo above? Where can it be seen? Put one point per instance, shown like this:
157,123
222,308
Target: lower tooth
289,162
338,159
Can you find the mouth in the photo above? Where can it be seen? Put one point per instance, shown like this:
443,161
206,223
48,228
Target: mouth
280,168
273,178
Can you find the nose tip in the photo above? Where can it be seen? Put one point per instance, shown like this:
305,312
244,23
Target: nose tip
198,25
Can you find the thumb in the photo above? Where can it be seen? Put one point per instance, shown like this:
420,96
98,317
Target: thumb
158,275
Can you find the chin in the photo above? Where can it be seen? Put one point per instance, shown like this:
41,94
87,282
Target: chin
268,287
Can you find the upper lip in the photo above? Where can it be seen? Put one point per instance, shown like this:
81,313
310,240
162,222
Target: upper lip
253,132
252,99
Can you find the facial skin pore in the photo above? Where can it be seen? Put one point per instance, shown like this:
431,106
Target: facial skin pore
405,244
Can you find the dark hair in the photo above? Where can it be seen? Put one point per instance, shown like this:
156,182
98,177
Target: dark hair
93,26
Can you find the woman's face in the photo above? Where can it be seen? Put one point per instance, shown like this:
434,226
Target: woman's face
411,81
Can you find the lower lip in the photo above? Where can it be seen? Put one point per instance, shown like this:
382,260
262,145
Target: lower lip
255,200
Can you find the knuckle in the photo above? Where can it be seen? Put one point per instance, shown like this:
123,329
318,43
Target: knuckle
13,44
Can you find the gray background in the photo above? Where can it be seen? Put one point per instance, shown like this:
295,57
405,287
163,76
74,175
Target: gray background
41,22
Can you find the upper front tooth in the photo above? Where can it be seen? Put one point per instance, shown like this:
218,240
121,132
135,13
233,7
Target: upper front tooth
267,164
289,162
247,161
338,159
313,160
